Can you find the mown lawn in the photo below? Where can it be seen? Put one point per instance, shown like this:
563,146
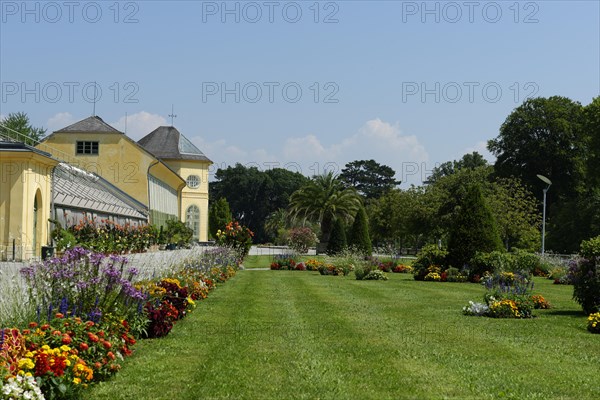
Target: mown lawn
299,335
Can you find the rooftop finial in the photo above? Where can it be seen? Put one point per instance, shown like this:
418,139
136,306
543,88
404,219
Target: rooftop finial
172,115
95,94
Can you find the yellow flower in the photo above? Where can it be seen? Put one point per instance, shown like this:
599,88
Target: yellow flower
26,363
76,381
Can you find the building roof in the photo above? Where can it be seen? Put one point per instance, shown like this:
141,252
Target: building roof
10,145
93,124
166,142
76,188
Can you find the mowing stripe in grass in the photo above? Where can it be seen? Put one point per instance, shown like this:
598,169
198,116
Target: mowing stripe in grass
289,334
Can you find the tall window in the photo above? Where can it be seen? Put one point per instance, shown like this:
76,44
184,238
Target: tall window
87,147
192,220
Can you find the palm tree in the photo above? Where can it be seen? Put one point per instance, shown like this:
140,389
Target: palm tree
324,199
275,221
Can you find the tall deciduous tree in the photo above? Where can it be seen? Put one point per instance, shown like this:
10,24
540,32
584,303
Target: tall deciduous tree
324,199
473,229
369,178
468,161
592,132
543,136
19,122
516,212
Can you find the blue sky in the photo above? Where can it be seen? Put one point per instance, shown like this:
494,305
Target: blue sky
304,85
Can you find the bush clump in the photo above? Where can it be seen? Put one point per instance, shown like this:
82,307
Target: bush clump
301,239
586,278
429,255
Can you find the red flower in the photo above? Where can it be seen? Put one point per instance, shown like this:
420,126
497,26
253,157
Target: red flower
59,315
110,355
106,344
42,364
83,346
45,327
93,337
66,339
33,325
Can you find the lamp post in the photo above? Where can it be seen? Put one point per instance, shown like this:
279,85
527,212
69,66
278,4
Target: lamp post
549,183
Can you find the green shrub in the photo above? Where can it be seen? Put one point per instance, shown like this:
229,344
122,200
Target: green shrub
454,275
586,280
375,275
219,215
590,249
494,261
178,233
530,262
428,256
301,239
362,270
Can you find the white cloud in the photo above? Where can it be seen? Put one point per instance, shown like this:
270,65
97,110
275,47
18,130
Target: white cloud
139,124
305,147
59,121
376,139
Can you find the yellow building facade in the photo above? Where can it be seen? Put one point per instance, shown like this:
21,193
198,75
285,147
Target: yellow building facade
176,151
25,199
153,171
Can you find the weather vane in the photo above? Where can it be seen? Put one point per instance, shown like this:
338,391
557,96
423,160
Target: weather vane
172,115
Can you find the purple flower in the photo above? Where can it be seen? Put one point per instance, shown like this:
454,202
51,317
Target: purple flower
95,315
82,285
97,258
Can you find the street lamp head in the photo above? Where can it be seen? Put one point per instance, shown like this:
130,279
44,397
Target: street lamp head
545,180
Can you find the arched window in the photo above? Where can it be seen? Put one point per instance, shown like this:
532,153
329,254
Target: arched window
192,220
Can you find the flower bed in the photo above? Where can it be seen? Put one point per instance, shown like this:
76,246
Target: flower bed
594,323
508,295
402,269
89,314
